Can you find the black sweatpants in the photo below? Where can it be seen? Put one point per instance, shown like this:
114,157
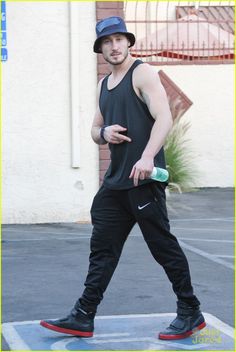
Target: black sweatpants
114,213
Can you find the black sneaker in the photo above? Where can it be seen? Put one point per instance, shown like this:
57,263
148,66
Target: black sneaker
78,323
188,321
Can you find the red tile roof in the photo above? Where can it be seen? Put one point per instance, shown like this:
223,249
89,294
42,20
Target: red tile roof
224,15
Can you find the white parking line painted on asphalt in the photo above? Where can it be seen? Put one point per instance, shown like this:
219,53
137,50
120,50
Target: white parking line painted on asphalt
204,219
204,240
206,255
220,325
78,237
205,229
45,233
13,339
112,334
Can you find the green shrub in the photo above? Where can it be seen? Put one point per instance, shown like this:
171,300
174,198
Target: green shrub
180,158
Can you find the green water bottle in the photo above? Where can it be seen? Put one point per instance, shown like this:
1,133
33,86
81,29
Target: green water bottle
159,174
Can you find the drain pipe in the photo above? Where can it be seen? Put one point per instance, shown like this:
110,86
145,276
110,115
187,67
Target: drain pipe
74,84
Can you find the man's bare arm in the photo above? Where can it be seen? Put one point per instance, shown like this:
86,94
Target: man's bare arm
148,83
98,120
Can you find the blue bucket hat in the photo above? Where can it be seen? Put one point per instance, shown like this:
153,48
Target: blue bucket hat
109,26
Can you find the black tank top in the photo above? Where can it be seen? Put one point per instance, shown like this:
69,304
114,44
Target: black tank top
121,105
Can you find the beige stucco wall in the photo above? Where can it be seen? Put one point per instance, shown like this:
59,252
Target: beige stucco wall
211,135
39,184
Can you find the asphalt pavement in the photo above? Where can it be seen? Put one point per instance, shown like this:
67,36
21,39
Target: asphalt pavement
44,265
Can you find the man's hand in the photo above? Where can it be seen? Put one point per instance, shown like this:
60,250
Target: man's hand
142,169
113,134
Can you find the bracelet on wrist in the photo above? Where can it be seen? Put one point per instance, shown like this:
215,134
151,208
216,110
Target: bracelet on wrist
102,130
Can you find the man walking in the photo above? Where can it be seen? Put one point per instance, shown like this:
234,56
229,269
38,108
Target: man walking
134,118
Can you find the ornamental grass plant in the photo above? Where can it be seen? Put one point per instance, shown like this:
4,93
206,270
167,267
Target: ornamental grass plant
180,158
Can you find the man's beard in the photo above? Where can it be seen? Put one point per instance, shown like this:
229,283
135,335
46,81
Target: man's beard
107,59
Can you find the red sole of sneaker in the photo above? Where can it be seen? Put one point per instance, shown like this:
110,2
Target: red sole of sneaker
66,331
182,336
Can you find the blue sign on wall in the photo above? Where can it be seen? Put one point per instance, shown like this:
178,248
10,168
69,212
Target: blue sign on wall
4,55
3,39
